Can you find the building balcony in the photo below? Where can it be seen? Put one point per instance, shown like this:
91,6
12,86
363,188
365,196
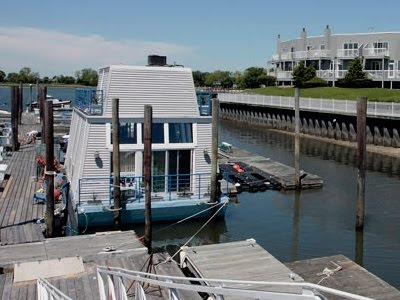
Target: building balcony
302,55
375,52
347,53
330,75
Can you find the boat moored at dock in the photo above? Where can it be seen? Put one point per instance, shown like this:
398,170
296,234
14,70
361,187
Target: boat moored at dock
181,143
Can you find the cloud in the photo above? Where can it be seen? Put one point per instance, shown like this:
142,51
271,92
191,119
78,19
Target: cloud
53,53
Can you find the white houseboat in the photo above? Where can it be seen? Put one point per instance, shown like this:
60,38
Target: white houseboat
181,162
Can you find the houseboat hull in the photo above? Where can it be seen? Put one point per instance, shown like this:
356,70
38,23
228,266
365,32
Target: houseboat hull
133,213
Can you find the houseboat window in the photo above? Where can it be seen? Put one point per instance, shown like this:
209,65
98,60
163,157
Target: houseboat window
127,133
126,163
158,170
179,168
180,133
157,133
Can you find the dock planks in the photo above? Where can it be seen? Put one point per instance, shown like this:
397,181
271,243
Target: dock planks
130,254
352,278
278,172
243,260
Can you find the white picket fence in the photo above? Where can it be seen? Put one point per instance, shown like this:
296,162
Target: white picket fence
384,109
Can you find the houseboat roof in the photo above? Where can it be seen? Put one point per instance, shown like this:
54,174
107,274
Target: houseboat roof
170,90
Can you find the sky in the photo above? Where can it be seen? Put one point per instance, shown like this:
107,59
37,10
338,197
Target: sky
61,37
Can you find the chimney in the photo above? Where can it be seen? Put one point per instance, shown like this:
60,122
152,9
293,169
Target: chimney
278,44
303,36
327,38
156,60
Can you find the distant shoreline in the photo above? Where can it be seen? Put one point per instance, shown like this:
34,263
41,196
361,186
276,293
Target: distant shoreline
56,85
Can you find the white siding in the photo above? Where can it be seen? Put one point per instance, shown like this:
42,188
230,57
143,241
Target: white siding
169,90
201,165
92,168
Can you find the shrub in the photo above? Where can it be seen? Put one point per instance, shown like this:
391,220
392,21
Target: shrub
302,74
315,82
355,83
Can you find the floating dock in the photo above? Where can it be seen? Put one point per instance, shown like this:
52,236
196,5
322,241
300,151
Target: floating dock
276,172
351,277
243,260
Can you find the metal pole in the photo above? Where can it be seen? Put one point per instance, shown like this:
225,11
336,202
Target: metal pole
297,138
20,102
214,149
116,163
49,173
147,135
361,151
14,118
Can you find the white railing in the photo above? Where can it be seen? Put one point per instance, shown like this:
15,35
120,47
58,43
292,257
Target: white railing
284,75
387,74
347,53
387,109
46,291
375,52
111,285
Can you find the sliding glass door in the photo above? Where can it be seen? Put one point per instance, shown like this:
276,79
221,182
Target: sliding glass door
179,169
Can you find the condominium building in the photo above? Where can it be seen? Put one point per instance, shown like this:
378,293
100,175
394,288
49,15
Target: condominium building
331,55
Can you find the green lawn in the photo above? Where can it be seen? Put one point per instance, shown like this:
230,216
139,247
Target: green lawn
373,94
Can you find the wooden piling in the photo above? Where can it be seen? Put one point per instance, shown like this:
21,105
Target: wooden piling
359,247
20,102
214,149
49,173
116,163
14,118
38,94
361,151
42,102
297,138
147,135
30,97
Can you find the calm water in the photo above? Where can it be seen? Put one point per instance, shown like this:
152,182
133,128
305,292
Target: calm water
312,223
295,226
61,93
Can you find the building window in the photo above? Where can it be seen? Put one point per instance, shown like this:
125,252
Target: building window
127,133
126,163
322,47
180,133
350,46
292,49
381,45
157,133
309,48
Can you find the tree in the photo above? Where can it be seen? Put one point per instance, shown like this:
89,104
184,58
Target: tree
13,77
255,77
355,70
27,76
219,78
2,76
87,77
199,78
301,74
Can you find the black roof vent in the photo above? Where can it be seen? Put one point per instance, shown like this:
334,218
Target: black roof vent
157,60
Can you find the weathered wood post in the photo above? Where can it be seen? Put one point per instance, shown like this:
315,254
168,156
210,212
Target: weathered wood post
116,163
214,149
30,97
49,171
361,151
37,94
147,135
20,102
42,102
297,138
14,118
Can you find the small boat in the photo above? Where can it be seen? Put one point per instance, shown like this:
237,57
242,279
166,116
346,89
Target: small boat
57,103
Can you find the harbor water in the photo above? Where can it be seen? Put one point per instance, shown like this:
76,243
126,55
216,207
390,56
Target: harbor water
295,226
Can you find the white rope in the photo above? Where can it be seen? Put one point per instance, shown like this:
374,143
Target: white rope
194,235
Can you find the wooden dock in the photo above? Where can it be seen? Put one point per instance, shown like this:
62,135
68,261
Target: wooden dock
278,172
18,212
129,254
350,278
243,260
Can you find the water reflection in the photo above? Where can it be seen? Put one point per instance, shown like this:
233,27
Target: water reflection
296,221
311,147
359,249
